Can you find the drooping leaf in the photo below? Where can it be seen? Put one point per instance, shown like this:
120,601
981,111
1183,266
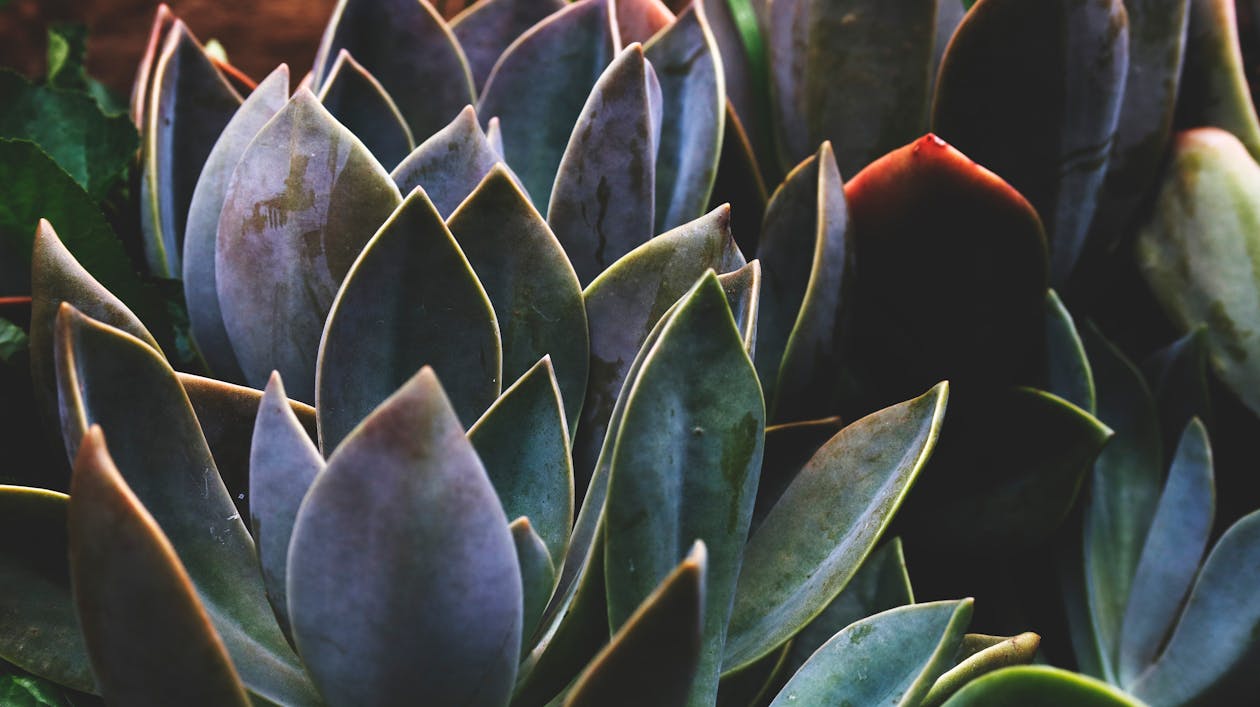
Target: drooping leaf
359,102
826,522
356,620
450,164
540,84
414,297
538,576
39,631
1061,77
535,293
1197,252
487,28
1039,686
150,640
684,466
978,656
693,95
201,233
603,199
1068,371
523,442
304,200
409,48
653,658
1214,88
187,106
911,645
109,378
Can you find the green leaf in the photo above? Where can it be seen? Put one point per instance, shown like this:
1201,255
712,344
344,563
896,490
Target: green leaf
305,198
39,631
535,293
538,576
693,95
356,620
67,59
523,442
890,658
486,29
150,639
653,658
414,297
24,691
1214,89
109,378
541,83
1039,686
814,539
980,655
449,164
603,198
1178,374
627,300
1170,557
90,146
1068,373
684,466
788,448
405,44
359,102
1197,252
743,294
186,109
1124,491
13,340
1061,77
807,256
201,233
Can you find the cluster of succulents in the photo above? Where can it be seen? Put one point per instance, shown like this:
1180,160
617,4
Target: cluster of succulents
481,366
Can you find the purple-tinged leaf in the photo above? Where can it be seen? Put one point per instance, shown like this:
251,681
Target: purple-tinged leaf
359,102
450,164
489,27
640,20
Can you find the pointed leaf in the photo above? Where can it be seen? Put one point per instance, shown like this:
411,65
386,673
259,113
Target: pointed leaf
487,28
359,102
693,95
162,21
356,620
450,164
1214,88
414,297
807,257
39,631
523,442
109,378
744,59
283,462
304,199
201,233
743,294
536,296
1170,558
1039,686
788,448
982,659
149,637
1068,373
538,576
640,20
405,44
602,203
815,538
1178,374
684,466
911,645
654,656
541,82
188,106
1062,78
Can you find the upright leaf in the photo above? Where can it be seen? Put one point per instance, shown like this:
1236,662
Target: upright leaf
359,102
487,28
1068,371
743,294
449,164
538,576
1214,80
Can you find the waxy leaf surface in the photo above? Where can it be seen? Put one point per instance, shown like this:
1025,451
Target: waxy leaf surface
1068,371
488,27
449,164
979,655
359,102
1039,686
1214,89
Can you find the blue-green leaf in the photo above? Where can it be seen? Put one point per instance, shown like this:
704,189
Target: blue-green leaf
359,102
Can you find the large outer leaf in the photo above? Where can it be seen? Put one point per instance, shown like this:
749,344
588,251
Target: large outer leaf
1039,686
1060,67
1212,652
305,198
410,300
888,659
626,301
39,631
449,164
149,637
441,624
827,521
1214,87
603,200
653,658
684,467
540,84
488,27
523,442
807,257
109,378
693,95
1170,558
189,104
1200,249
535,293
852,72
201,233
409,48
359,102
